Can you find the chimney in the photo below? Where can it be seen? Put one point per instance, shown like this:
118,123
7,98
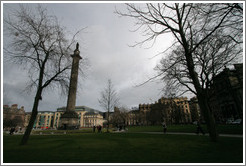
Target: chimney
14,106
5,106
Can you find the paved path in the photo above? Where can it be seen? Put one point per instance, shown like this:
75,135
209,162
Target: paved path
173,133
180,133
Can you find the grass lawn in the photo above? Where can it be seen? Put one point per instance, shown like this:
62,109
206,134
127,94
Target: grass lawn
121,148
222,129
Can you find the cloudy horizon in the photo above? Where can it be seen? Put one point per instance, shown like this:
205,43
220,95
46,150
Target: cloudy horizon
105,45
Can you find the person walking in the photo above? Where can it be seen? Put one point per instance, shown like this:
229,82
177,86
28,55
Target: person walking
164,128
94,129
100,129
12,130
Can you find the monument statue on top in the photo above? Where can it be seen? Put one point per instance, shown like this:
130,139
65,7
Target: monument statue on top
69,120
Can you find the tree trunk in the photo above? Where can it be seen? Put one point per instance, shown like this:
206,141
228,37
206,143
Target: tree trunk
208,115
32,119
201,95
35,104
204,106
108,122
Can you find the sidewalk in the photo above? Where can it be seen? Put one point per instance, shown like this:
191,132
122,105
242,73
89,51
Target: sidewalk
180,133
173,133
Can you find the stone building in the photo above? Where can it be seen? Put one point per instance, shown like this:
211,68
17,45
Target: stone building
133,117
178,109
57,116
91,119
195,111
170,110
44,120
145,107
27,118
88,117
226,98
13,116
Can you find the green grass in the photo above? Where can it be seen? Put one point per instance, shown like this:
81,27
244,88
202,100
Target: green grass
122,148
222,129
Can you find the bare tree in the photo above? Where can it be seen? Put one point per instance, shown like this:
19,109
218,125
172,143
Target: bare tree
209,60
120,116
108,99
194,26
12,122
40,45
124,114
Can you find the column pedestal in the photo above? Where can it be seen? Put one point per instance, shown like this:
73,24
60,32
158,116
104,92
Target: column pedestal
69,121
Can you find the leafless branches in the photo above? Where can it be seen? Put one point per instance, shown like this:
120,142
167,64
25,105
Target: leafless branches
39,43
208,36
108,99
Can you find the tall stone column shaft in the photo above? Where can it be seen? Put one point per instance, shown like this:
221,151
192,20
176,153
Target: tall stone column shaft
71,101
70,119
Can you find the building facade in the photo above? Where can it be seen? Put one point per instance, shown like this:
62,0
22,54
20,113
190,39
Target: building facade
168,110
195,111
88,117
133,117
44,120
91,119
13,116
226,99
178,109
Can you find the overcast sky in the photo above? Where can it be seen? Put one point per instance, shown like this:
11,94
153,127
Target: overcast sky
105,45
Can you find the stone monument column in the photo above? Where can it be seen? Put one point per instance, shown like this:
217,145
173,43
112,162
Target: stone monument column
69,120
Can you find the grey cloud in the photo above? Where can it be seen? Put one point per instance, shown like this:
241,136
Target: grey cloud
105,45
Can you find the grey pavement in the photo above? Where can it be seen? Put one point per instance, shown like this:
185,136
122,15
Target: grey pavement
172,133
180,133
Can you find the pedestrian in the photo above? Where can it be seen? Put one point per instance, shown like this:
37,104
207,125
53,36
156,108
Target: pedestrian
199,128
94,129
164,127
100,129
12,130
